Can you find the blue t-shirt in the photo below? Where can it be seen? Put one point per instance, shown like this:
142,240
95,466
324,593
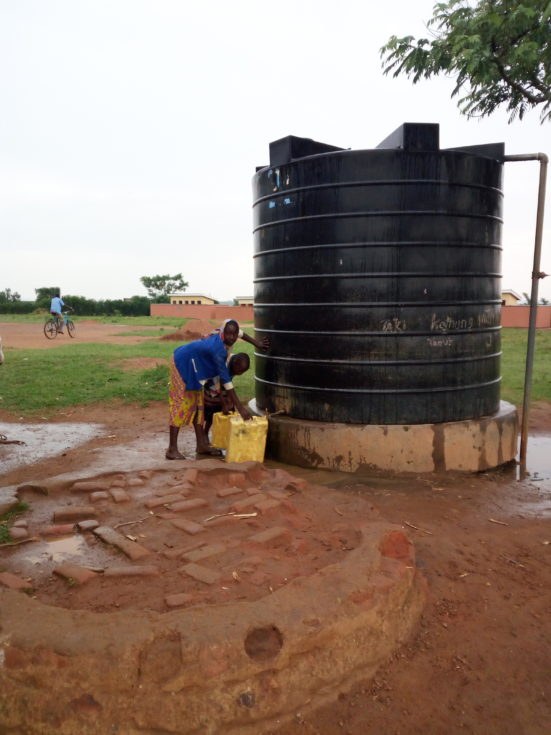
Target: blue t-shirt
203,359
57,304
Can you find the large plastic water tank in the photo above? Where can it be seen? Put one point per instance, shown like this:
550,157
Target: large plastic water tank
377,280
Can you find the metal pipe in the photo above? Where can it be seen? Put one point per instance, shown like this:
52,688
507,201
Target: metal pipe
536,275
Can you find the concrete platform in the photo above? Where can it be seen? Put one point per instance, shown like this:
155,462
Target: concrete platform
461,446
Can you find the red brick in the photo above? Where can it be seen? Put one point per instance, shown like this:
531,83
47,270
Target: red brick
236,478
18,534
154,502
278,494
179,600
130,548
167,515
20,524
88,525
272,536
89,486
249,502
227,491
253,490
99,495
58,530
74,573
188,526
75,513
266,505
146,474
119,495
135,482
188,504
136,571
14,583
201,574
173,490
205,552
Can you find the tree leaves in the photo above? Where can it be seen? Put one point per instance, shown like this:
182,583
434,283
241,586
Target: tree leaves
499,51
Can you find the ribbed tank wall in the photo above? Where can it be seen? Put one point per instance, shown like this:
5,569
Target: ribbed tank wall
377,281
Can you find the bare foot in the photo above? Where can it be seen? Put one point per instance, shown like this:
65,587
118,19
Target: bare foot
210,451
173,454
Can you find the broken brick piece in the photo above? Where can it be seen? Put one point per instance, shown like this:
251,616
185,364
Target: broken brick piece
13,582
264,506
201,574
227,491
89,486
87,525
74,513
156,502
272,536
179,599
130,548
119,495
188,526
205,552
188,504
250,502
99,495
74,573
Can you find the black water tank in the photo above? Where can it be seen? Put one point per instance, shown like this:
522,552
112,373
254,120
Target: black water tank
377,280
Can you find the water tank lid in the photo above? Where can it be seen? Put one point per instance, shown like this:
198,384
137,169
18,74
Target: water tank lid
414,137
487,150
292,147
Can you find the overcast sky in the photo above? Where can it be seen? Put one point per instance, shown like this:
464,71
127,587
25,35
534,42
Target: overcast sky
130,131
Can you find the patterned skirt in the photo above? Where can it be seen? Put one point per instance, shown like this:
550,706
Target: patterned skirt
184,404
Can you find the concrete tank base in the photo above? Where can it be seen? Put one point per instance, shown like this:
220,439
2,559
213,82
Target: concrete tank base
460,446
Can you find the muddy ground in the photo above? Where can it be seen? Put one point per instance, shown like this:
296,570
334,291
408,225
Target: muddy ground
480,661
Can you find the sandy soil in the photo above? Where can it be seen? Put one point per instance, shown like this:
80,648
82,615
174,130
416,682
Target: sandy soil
480,661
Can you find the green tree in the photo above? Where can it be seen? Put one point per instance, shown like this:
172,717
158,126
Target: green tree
44,296
159,287
7,295
499,51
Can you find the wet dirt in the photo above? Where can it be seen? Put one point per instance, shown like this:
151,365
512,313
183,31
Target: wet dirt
479,662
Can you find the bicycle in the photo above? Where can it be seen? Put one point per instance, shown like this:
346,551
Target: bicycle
54,326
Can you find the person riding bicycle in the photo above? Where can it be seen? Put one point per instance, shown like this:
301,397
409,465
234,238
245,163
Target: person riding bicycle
56,310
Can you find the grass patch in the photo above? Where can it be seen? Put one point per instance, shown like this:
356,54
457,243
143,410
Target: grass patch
80,374
513,364
7,518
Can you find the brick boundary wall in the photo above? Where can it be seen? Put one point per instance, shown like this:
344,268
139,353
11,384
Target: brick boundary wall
518,316
511,316
204,311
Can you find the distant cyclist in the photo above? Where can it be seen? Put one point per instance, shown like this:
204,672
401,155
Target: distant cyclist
56,310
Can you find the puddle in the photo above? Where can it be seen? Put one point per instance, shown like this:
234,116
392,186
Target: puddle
42,441
42,556
55,551
538,458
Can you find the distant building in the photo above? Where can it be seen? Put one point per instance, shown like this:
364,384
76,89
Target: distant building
510,298
244,300
191,298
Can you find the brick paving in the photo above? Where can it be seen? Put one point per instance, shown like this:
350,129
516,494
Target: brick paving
209,533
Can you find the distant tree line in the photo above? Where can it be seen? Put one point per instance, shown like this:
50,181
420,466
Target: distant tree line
158,289
11,303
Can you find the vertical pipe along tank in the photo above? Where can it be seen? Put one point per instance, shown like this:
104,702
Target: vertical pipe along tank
377,280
